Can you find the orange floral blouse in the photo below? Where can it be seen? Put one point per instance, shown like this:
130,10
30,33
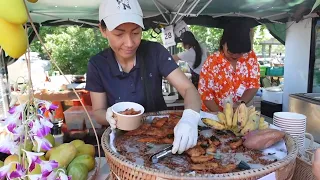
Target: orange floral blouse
218,80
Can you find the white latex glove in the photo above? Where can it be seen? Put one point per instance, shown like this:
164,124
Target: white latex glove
111,120
186,131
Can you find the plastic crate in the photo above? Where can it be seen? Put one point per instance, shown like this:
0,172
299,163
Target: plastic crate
87,121
275,71
74,118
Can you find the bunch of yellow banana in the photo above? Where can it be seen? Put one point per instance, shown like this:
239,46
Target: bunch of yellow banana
240,122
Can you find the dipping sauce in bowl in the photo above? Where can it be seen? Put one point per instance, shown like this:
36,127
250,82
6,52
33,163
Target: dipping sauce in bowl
128,115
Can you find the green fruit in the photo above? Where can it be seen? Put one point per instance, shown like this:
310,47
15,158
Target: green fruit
78,171
85,159
1,163
63,154
50,138
48,153
86,149
77,143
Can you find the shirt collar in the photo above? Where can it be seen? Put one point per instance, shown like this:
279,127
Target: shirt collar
120,68
115,67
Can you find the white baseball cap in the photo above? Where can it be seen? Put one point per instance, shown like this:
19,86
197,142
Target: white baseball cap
117,12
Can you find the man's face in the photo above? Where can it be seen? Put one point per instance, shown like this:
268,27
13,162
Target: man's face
230,56
124,39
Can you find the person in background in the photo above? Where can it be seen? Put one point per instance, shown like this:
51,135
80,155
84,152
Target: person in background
316,164
131,70
232,74
194,54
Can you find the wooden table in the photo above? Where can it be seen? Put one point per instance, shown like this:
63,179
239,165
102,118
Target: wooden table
66,95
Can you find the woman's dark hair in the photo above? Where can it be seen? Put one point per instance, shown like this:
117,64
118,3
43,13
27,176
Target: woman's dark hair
237,38
187,38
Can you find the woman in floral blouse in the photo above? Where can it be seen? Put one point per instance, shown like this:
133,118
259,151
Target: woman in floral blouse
232,73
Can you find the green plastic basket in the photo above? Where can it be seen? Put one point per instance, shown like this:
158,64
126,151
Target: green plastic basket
275,71
263,71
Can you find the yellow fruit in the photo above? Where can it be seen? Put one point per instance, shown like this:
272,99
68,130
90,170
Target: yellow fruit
235,118
213,123
263,124
12,158
63,154
78,171
252,124
13,38
77,143
13,11
86,149
50,138
222,118
251,110
242,115
85,159
228,111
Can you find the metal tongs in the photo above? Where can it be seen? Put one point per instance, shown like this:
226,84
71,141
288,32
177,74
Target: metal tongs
161,154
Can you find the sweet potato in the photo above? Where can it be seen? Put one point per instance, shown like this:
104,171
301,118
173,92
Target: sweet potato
262,139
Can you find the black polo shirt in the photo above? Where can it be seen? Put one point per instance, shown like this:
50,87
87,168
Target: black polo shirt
104,75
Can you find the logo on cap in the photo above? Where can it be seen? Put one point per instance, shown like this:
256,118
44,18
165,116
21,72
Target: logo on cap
124,4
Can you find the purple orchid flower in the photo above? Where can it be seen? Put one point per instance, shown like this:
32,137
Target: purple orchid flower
16,110
7,144
58,174
63,176
12,109
4,170
33,159
47,105
35,177
20,172
42,143
47,167
41,128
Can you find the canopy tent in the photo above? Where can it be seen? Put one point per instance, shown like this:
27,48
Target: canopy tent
209,13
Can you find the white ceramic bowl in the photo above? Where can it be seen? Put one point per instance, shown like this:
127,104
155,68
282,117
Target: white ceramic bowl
289,116
128,122
170,99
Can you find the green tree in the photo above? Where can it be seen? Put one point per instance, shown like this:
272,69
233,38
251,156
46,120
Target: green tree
71,47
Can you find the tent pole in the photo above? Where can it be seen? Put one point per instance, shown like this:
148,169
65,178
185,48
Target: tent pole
273,15
155,3
184,2
189,10
220,15
162,6
73,20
